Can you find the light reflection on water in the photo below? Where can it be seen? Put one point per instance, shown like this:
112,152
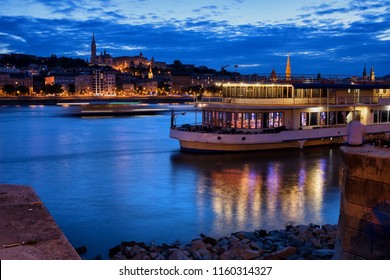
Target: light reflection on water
264,189
109,180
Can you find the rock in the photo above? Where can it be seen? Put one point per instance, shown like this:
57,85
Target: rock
248,254
210,240
246,235
255,246
113,251
316,243
81,250
195,254
130,252
322,253
178,254
141,255
296,242
330,228
197,244
305,251
205,254
228,255
156,256
262,233
282,254
319,231
119,256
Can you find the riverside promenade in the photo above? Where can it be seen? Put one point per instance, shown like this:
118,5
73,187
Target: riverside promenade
27,230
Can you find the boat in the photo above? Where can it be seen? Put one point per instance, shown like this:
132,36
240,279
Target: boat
113,109
285,114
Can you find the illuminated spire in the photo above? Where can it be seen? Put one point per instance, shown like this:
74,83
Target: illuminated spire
288,69
150,74
372,74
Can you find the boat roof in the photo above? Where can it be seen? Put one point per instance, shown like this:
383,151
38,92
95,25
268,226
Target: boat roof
318,85
342,85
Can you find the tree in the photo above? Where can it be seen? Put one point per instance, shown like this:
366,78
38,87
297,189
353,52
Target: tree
54,89
22,90
9,89
177,64
72,88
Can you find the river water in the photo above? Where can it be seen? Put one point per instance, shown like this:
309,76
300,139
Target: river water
107,180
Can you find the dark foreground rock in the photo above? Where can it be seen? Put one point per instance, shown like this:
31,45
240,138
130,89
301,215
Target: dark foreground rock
303,242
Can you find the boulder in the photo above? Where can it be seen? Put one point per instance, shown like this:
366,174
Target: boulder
178,254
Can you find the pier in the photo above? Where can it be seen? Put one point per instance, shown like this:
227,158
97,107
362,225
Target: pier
27,230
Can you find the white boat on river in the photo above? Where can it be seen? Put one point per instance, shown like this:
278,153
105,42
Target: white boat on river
263,116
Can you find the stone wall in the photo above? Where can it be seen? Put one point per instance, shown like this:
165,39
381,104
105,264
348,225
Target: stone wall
364,221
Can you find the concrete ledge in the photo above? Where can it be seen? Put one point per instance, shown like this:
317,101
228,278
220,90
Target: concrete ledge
27,230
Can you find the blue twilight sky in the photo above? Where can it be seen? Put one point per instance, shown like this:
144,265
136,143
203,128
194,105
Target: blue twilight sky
327,37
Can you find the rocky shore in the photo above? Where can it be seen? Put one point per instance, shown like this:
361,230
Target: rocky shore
302,242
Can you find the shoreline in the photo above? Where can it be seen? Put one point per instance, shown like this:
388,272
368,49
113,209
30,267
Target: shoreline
28,100
301,242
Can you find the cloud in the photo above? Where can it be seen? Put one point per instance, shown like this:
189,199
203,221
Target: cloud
12,37
318,38
384,35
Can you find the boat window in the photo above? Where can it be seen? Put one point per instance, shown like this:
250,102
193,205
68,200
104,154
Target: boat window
245,123
315,92
263,92
275,119
259,120
206,117
323,117
304,118
349,117
252,120
332,118
250,92
229,120
257,92
239,120
314,118
265,120
221,117
341,117
384,116
376,116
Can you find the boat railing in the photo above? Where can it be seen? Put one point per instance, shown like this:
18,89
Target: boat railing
226,130
317,101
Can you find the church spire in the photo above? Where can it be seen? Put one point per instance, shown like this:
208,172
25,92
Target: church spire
288,69
150,74
93,50
364,73
372,74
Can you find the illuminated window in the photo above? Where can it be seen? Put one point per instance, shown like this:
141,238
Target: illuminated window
322,118
304,119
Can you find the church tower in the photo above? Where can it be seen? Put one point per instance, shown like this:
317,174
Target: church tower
288,69
150,74
93,50
273,77
372,74
365,73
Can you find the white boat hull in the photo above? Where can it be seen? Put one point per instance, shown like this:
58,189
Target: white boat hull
212,142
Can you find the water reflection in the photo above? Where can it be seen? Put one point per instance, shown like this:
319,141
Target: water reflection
261,190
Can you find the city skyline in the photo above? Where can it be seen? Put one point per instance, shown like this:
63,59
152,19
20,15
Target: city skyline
340,37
